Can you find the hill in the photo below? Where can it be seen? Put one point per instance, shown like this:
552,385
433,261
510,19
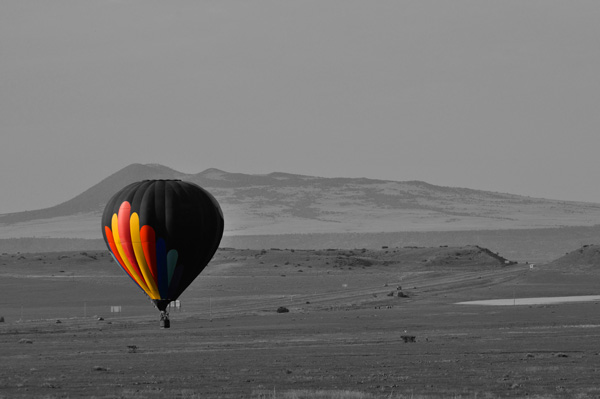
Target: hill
384,260
94,199
584,259
280,203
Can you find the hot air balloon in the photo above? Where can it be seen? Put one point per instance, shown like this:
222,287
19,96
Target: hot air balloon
162,233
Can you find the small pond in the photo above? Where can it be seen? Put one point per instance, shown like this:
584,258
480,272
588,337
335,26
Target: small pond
533,301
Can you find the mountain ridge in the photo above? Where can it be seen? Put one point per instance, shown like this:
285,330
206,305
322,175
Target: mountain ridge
285,203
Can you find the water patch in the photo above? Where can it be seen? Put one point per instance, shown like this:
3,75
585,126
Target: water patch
533,301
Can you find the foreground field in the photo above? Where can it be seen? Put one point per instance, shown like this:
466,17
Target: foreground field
343,332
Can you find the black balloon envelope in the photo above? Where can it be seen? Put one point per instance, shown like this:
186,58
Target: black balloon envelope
162,233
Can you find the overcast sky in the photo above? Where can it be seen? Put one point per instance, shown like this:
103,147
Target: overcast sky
492,95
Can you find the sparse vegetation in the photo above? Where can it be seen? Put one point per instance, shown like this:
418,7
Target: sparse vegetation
344,336
313,394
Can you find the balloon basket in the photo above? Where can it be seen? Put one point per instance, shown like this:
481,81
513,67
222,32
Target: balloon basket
164,320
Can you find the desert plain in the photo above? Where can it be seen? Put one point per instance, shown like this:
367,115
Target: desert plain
348,330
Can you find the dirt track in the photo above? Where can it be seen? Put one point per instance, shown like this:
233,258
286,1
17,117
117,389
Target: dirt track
345,338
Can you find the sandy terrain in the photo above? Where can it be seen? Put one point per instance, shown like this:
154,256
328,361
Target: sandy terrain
343,330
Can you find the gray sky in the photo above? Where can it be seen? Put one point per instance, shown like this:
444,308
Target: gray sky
492,95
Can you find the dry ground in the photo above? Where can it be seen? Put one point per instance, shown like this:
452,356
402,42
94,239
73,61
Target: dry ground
343,331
